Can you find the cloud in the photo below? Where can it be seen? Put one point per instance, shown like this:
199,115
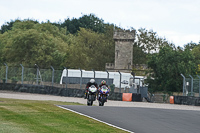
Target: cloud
178,20
179,38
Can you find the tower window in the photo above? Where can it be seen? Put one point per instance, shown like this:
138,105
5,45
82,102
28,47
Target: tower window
117,51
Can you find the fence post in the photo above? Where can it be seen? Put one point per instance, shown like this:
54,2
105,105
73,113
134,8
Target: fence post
183,83
199,84
107,75
66,76
22,73
94,72
37,73
52,75
120,81
191,85
6,71
81,78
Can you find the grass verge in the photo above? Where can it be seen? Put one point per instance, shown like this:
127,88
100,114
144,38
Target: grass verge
27,116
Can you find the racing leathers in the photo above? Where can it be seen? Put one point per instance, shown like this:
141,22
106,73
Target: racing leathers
100,89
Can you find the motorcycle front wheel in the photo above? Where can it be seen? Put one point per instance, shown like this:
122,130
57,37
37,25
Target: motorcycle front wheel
101,103
89,103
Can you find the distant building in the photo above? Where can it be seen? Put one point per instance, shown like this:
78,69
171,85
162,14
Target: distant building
124,40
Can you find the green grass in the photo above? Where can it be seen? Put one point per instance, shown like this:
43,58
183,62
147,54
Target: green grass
26,116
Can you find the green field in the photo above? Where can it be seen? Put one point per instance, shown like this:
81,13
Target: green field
26,116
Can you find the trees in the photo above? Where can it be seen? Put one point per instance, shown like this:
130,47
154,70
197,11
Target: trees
195,51
31,43
190,45
166,66
90,50
1,48
165,61
86,21
8,26
149,40
91,46
139,56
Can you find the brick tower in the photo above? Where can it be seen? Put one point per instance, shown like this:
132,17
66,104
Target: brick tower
124,40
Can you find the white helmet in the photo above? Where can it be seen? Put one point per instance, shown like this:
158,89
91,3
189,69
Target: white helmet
92,80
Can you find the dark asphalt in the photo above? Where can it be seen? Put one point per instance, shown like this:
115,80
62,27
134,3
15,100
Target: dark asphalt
144,120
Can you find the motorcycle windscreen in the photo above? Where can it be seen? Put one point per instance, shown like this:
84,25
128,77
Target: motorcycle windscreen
92,88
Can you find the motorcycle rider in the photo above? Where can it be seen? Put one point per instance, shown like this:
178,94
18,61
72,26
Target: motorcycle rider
103,82
90,83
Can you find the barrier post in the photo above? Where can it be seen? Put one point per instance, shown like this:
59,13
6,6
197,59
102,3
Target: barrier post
52,75
199,84
66,76
37,73
81,78
191,85
22,73
120,81
107,75
183,83
94,72
6,72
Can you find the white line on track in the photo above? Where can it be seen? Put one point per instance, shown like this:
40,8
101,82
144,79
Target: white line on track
95,119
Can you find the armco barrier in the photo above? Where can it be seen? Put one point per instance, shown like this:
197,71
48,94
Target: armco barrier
136,97
131,97
69,92
115,96
187,100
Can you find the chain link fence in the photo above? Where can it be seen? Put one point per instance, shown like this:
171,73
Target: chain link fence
32,76
76,79
191,85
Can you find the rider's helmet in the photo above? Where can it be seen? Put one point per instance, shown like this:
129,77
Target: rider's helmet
103,82
92,80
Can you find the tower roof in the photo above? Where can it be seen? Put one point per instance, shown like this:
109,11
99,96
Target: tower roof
124,35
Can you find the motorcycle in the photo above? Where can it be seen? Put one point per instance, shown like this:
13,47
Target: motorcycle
91,96
103,94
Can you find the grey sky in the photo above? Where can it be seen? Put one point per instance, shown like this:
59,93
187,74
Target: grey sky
176,20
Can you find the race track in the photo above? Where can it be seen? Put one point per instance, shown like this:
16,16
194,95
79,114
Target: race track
138,117
144,120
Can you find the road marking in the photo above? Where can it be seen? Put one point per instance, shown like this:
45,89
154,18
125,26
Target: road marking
95,119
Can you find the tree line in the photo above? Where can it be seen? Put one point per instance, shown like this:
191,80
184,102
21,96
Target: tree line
30,42
87,43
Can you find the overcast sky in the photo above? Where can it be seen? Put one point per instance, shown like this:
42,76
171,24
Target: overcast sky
176,20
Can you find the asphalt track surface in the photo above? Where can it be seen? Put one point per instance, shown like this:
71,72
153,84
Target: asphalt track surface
144,120
138,117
